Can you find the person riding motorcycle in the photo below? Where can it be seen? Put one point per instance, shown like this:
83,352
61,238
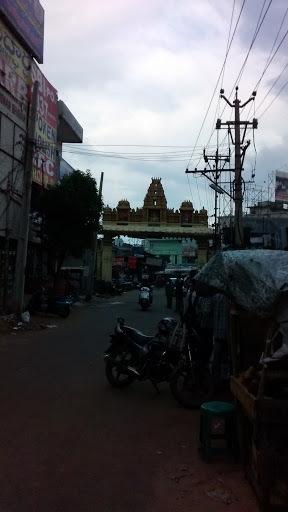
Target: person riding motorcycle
147,284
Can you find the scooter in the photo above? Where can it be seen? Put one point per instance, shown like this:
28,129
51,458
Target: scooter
145,298
41,302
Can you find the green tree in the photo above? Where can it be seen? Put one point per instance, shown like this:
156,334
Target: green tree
70,212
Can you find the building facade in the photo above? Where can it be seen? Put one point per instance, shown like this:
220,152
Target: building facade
20,44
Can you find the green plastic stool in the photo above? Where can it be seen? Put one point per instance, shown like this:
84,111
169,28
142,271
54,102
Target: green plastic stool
222,412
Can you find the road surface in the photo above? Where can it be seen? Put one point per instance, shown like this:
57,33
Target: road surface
71,443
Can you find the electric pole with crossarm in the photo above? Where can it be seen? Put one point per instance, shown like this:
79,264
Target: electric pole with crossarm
240,149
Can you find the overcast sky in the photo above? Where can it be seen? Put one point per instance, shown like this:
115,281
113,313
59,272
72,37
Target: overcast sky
143,73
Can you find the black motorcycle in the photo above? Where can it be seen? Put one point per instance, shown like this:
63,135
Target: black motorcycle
40,301
191,383
134,356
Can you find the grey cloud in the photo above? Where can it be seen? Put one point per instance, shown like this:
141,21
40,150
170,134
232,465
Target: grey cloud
269,28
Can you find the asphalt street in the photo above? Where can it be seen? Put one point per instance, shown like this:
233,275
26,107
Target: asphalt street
71,443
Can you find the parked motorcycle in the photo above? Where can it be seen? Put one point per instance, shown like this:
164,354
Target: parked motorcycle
145,297
40,301
134,356
117,287
191,383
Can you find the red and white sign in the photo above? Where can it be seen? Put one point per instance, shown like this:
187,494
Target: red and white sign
119,262
44,169
132,262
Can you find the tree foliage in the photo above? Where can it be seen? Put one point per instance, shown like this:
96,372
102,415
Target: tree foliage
71,211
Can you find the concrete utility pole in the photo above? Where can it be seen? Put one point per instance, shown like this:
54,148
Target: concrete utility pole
92,262
216,172
239,158
7,244
22,245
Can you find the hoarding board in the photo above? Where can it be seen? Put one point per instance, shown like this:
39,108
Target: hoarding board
27,19
132,262
44,168
281,186
15,76
119,262
156,262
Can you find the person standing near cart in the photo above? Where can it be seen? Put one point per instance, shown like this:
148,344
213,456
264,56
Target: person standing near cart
169,291
179,295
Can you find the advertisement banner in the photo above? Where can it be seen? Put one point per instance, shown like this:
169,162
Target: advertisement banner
27,19
15,75
11,108
119,262
44,168
281,186
155,262
132,262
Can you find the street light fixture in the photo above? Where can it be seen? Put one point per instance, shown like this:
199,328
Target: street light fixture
217,189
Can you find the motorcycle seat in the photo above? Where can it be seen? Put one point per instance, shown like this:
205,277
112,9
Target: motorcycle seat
137,336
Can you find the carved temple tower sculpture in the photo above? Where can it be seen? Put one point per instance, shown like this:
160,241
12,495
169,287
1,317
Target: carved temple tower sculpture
154,220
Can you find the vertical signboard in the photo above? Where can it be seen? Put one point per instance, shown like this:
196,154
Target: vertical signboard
281,186
44,168
27,19
15,73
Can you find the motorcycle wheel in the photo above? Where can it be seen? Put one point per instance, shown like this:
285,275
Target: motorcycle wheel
113,370
191,387
64,312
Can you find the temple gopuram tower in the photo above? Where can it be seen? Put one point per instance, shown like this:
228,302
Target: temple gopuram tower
155,204
153,220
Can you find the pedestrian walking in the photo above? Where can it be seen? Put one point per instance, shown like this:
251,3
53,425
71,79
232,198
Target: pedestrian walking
169,291
179,295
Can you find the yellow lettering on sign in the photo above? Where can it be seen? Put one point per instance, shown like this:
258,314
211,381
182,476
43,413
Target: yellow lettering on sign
14,54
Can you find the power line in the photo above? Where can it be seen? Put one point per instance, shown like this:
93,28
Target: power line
258,26
130,145
118,157
286,83
223,67
257,29
218,104
279,76
270,59
190,189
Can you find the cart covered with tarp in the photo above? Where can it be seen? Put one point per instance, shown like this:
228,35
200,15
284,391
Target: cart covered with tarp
255,280
256,283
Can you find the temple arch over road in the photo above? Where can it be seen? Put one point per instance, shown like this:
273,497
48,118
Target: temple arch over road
154,220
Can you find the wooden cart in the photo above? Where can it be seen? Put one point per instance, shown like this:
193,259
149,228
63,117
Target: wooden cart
262,420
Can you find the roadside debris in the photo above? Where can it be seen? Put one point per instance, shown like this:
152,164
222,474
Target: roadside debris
9,324
222,495
25,317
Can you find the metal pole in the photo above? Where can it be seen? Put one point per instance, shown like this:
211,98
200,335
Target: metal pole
22,245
